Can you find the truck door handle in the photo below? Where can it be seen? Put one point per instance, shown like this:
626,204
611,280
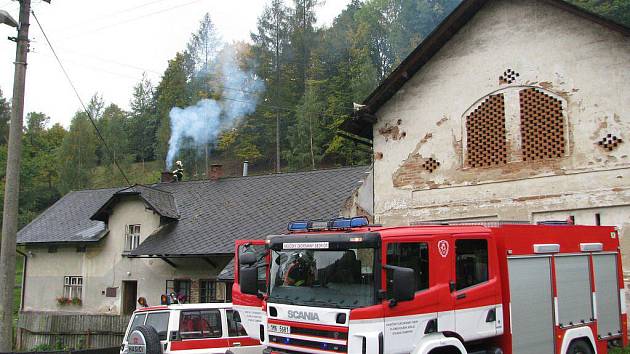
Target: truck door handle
236,344
491,316
461,296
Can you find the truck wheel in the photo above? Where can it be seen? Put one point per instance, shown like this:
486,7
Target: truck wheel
579,347
149,336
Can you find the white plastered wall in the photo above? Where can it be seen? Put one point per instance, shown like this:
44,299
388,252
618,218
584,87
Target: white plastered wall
583,63
104,265
574,59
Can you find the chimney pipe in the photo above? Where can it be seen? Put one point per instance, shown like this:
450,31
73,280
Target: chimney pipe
216,172
245,168
166,177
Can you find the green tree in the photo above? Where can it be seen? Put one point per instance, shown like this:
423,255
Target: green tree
5,116
271,47
77,155
302,38
172,91
616,10
203,48
305,139
38,173
204,45
143,121
113,126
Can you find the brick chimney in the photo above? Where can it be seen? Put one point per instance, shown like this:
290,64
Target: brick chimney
166,177
216,172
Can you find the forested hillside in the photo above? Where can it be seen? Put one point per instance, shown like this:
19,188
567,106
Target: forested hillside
284,92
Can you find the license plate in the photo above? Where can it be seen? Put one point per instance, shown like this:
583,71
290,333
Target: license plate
279,329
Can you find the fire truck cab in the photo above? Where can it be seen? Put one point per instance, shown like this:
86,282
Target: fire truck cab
347,287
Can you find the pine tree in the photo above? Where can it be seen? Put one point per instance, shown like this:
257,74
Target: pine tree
203,48
172,91
113,126
271,43
143,121
5,116
77,156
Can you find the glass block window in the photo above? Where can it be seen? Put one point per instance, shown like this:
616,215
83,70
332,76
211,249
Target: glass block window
542,125
486,134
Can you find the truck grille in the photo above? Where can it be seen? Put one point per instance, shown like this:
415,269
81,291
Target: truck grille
339,348
319,333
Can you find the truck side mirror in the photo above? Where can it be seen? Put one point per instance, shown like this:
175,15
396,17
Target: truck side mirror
403,289
248,279
403,284
247,258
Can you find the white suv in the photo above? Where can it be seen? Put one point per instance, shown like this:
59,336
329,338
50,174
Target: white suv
188,329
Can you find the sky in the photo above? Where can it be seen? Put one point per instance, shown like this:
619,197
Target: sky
106,45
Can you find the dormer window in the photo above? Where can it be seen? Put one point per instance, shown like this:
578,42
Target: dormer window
132,237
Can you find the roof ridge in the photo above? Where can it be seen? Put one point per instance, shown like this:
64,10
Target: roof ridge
268,175
154,189
97,189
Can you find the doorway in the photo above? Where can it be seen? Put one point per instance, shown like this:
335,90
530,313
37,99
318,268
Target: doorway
130,292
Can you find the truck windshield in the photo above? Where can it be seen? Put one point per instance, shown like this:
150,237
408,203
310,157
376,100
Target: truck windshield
339,278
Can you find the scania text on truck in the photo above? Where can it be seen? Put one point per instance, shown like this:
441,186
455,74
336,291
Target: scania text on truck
344,286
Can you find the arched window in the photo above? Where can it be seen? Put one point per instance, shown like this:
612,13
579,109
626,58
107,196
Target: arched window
514,124
542,125
486,134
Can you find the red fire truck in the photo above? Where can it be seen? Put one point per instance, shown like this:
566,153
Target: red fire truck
343,286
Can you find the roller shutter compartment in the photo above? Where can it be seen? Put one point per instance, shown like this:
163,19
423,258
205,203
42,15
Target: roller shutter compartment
531,305
575,296
607,295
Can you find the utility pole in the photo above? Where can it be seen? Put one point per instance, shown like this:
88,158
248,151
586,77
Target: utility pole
277,13
12,184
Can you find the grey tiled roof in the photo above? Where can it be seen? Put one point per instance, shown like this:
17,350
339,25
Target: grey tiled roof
68,220
160,201
227,274
210,215
213,214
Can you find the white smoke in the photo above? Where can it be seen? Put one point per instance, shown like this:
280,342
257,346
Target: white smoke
204,121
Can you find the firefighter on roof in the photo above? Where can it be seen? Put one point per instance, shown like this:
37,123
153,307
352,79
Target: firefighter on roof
178,172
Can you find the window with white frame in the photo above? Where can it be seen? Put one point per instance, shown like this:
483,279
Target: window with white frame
72,287
132,237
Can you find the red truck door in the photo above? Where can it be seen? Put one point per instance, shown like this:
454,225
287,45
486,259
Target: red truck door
250,307
475,288
409,320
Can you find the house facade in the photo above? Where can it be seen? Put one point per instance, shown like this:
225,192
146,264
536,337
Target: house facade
94,253
509,110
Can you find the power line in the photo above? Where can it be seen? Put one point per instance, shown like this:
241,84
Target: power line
219,84
98,132
109,15
83,33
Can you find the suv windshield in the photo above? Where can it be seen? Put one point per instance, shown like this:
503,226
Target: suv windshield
341,278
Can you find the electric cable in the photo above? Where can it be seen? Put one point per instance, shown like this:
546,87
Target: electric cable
83,33
108,15
215,82
98,132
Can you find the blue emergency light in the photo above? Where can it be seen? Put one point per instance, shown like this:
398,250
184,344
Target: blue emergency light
334,224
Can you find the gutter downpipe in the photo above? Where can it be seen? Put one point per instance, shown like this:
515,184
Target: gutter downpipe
18,331
23,278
